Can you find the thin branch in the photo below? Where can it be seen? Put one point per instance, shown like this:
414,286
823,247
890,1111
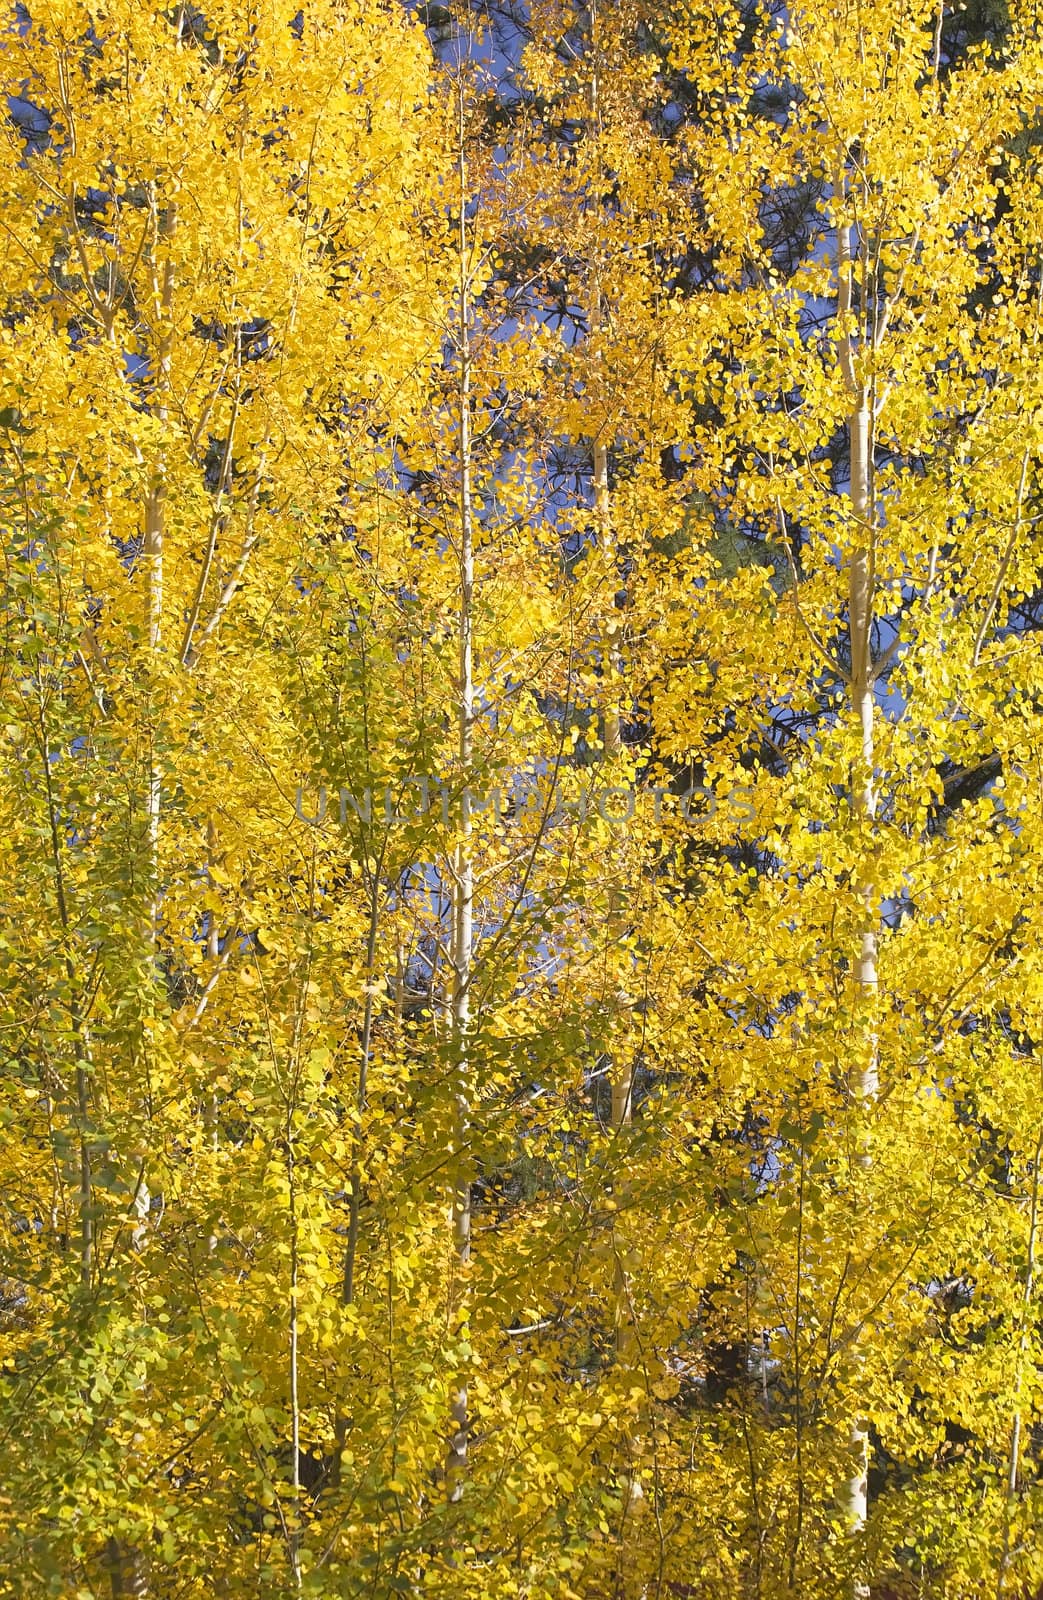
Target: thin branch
780,520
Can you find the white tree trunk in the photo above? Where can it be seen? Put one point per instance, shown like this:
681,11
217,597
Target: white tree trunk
622,1069
128,1566
462,871
863,1077
1014,1455
155,526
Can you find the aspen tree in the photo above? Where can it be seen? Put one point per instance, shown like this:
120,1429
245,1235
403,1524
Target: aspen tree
843,435
622,1069
729,314
861,602
180,242
461,897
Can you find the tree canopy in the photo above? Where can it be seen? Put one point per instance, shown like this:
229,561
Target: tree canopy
521,816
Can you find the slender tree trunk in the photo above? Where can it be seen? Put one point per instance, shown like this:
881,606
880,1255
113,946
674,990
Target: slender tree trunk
611,733
343,1422
128,1565
128,1572
1014,1455
622,1070
621,1077
80,1033
213,952
355,1180
163,281
293,1541
462,887
863,1077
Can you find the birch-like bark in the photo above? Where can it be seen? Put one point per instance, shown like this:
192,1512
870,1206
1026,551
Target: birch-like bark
343,1421
163,282
462,872
80,1034
129,1566
213,952
365,1052
611,734
293,1543
621,1072
1014,1455
622,1077
128,1572
622,1069
863,1076
155,526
